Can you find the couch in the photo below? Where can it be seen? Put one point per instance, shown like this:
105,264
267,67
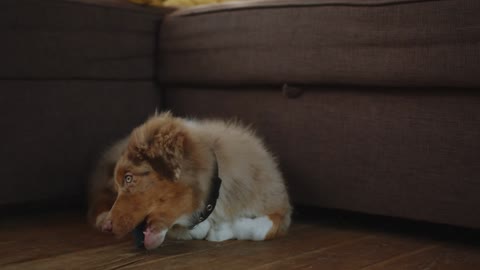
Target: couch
370,106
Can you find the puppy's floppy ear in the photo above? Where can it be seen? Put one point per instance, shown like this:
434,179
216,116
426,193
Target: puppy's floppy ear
162,141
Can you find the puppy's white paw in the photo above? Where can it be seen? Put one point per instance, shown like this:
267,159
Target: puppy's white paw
201,230
220,232
252,228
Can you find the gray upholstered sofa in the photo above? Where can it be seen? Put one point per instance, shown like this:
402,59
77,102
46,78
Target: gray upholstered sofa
371,106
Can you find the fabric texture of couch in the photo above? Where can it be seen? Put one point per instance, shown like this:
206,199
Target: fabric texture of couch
371,106
385,112
74,77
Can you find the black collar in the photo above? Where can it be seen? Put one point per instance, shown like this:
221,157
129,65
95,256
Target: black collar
211,202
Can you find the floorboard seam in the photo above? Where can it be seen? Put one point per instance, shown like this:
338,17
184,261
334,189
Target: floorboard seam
401,256
317,250
125,264
179,255
29,260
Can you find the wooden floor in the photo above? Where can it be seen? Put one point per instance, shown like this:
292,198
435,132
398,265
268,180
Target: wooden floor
330,241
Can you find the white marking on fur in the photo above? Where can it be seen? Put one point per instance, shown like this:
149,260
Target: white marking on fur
200,231
242,229
183,221
220,232
177,172
101,219
252,228
191,123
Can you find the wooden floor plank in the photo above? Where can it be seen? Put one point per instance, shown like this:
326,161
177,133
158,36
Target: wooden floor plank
248,254
451,257
113,256
110,255
350,255
29,239
124,254
180,250
66,242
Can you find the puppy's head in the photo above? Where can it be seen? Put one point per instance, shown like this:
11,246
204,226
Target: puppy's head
147,176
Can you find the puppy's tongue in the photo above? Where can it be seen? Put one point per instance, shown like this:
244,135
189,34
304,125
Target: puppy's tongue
153,239
145,237
138,235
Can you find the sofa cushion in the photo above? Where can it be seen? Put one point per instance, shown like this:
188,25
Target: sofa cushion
374,42
84,39
53,132
410,153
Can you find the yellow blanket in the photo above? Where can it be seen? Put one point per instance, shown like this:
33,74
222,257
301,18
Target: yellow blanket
175,3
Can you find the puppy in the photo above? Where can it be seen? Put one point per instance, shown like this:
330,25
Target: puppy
191,179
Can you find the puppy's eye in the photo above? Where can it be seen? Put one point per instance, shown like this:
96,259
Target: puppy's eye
128,178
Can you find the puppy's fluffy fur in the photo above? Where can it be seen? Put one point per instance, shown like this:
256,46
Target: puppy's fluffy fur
162,174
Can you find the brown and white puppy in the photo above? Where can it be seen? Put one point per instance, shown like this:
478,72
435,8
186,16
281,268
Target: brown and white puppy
164,173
